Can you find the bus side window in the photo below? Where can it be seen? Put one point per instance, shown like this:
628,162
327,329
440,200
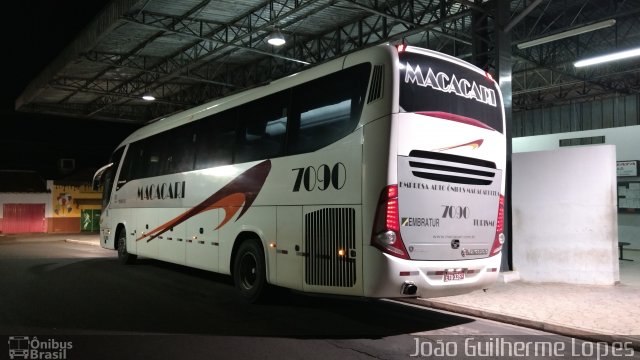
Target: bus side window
215,139
127,163
132,166
180,149
109,177
145,158
154,158
264,128
328,108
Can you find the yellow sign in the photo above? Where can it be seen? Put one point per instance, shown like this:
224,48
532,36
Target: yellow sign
67,200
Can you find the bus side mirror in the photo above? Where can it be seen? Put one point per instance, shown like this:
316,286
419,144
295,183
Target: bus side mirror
96,184
97,177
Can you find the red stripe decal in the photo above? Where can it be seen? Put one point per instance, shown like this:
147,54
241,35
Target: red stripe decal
473,144
456,118
244,189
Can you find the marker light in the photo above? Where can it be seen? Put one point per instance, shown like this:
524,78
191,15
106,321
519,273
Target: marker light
488,75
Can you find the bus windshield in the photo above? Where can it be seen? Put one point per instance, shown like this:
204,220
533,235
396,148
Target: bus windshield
431,84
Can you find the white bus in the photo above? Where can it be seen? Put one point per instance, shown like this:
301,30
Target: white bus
377,174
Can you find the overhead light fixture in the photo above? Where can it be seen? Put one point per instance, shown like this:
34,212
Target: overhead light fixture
565,34
148,97
609,57
276,38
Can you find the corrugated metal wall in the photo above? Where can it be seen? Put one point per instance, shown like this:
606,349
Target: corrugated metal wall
23,218
597,114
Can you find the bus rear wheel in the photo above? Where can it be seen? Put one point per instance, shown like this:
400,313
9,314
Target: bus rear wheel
249,273
123,254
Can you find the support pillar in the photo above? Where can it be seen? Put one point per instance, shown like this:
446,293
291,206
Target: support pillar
503,72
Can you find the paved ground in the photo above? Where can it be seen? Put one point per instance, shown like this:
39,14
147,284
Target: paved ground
606,313
594,312
62,291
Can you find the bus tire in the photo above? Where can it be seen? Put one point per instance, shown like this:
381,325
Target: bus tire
123,254
249,271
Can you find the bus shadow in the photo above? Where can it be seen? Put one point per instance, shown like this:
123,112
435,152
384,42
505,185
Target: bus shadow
102,296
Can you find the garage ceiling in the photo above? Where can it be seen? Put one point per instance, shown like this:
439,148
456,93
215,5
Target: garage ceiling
187,52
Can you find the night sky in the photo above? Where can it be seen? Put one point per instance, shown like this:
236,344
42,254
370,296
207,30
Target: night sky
35,32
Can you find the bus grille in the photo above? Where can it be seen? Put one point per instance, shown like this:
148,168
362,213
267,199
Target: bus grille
451,168
327,232
377,84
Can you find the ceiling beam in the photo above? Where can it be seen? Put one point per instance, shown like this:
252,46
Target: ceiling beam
219,39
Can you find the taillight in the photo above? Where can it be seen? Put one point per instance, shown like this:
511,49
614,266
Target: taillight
488,75
386,226
499,239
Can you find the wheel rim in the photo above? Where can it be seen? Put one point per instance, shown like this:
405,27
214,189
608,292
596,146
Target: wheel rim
248,271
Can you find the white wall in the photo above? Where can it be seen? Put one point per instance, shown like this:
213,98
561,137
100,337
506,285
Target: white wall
565,216
627,142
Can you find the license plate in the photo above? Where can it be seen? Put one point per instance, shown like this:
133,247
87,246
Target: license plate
454,275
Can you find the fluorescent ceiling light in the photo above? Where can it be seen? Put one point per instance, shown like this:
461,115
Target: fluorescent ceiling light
276,38
148,97
568,33
606,58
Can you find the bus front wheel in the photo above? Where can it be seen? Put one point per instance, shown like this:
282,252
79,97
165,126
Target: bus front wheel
249,275
123,254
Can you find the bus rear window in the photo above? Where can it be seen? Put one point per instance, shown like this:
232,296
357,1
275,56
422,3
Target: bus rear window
429,84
